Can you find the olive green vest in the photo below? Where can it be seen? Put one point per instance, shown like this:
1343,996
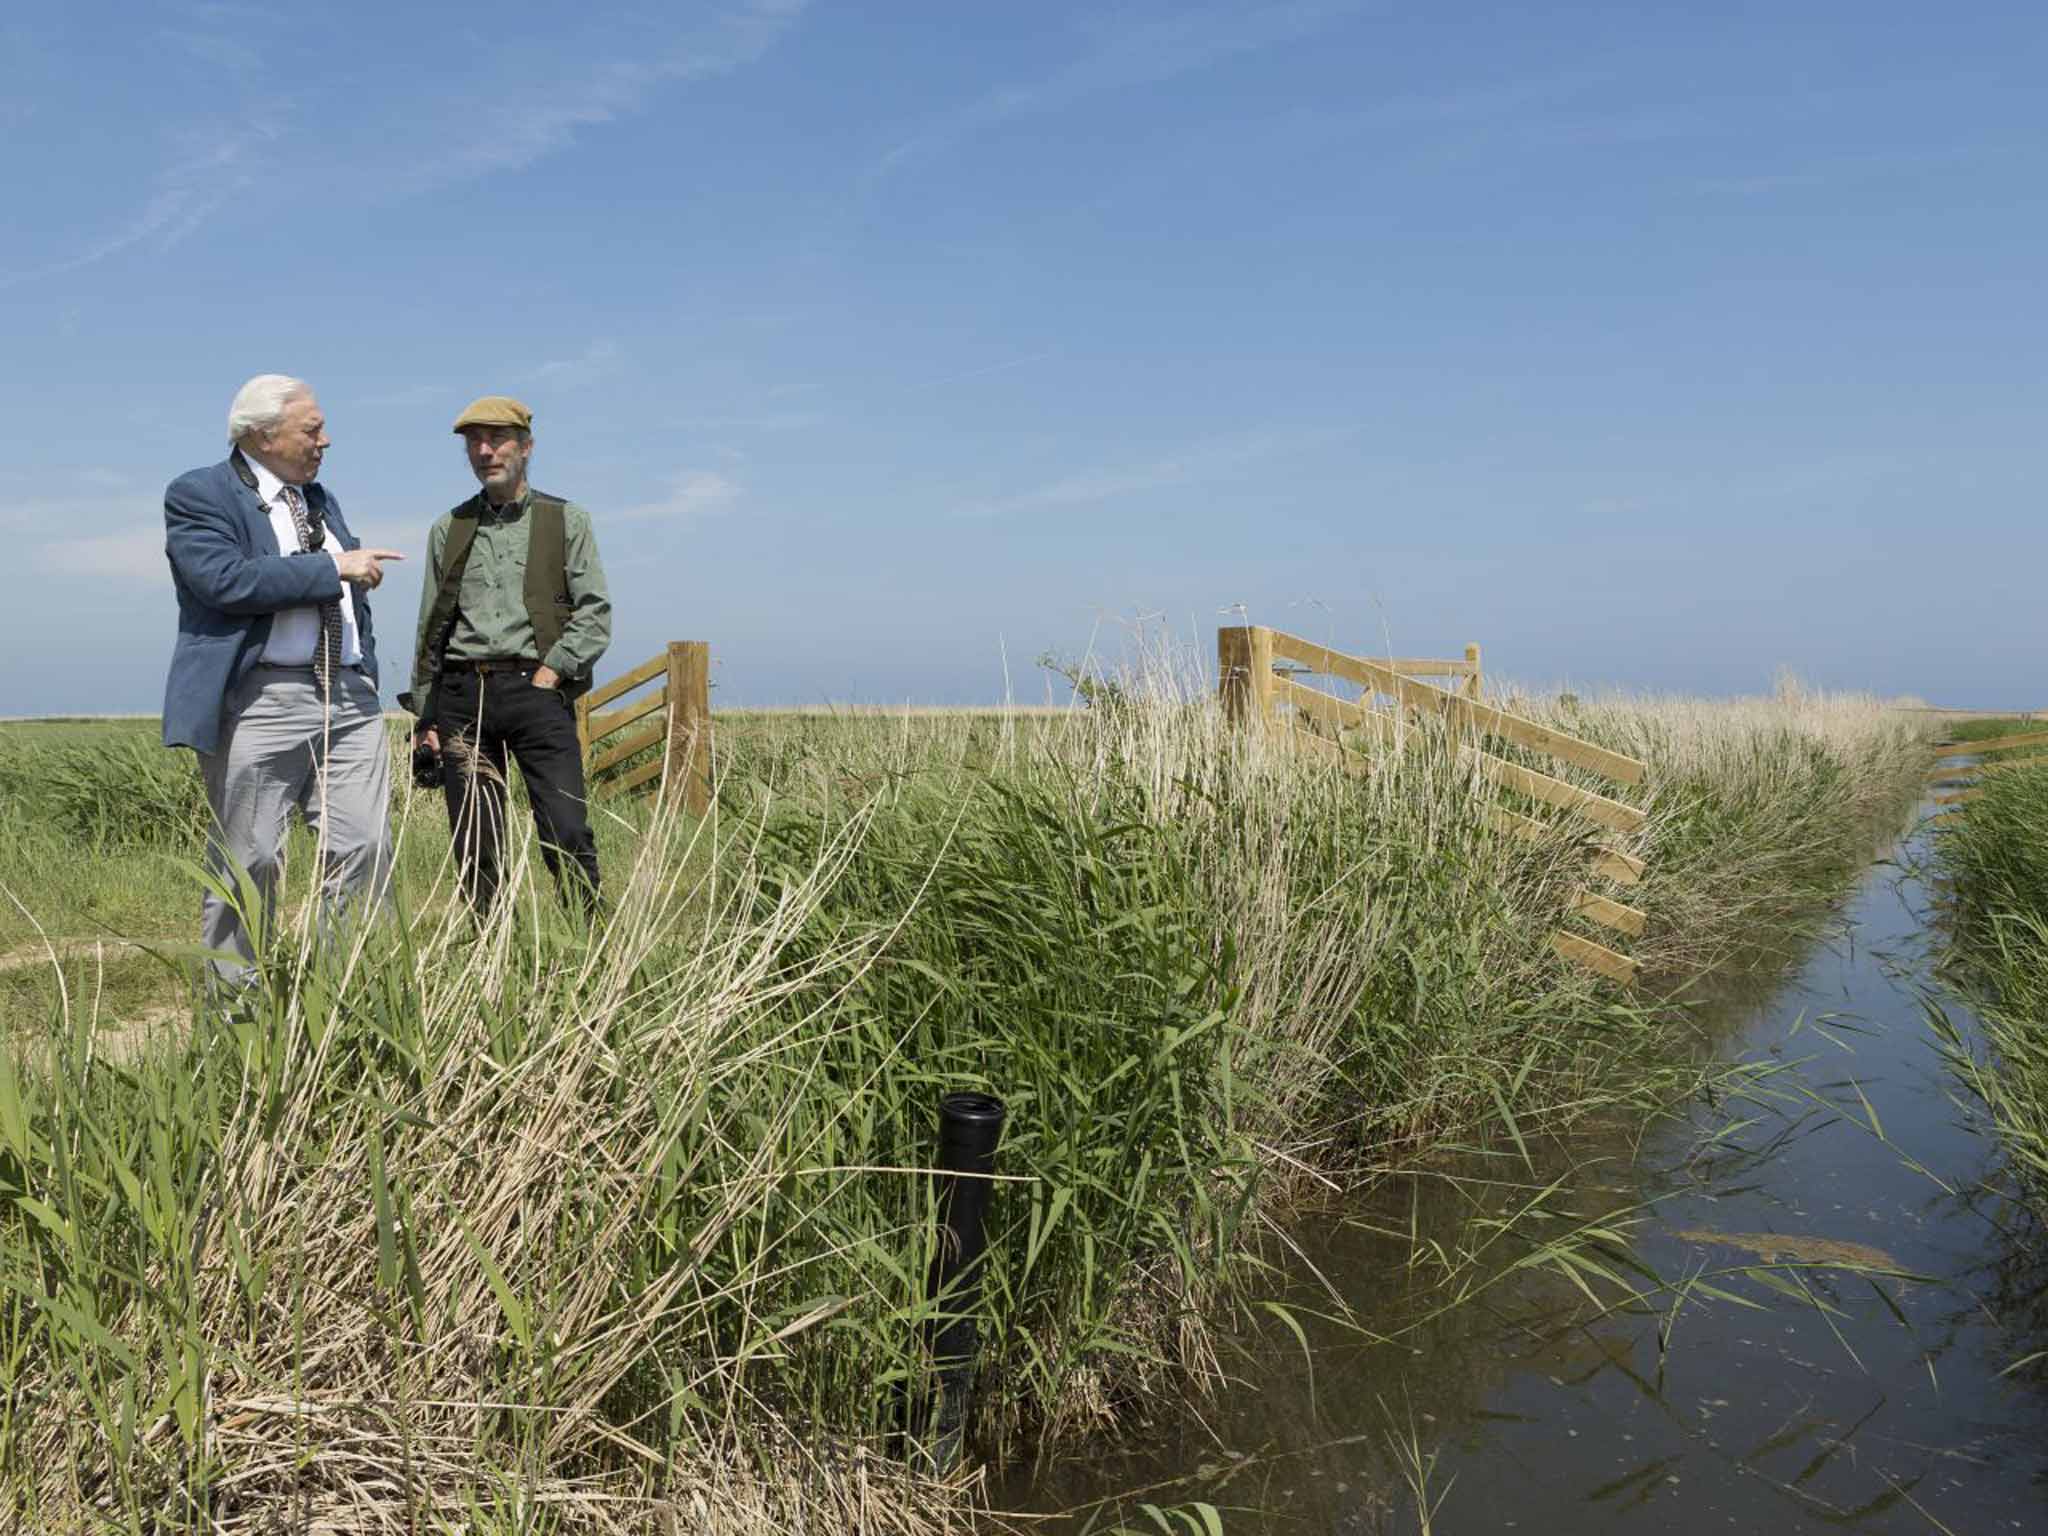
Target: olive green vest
546,590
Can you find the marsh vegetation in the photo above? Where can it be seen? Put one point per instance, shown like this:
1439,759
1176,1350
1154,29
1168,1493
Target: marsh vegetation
529,1229
1994,853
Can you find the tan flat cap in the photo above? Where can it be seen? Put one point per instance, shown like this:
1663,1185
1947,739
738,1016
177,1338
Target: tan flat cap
495,411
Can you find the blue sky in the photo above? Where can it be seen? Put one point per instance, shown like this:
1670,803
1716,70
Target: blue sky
1651,344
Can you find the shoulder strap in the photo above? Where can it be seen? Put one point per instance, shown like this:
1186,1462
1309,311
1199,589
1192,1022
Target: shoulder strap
440,622
455,548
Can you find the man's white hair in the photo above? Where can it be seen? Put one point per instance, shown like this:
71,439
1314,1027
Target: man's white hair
259,404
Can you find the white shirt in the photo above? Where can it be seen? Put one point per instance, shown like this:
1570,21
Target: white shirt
295,632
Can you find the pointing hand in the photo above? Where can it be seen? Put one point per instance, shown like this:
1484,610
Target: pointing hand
364,567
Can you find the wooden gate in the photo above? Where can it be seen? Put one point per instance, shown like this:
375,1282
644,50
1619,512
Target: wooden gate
1970,775
1257,665
678,715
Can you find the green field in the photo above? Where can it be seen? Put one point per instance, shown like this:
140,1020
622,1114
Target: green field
530,1229
100,828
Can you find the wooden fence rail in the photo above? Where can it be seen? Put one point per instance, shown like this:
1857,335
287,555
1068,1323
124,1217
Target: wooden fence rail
1991,744
1970,776
1257,667
677,712
1467,668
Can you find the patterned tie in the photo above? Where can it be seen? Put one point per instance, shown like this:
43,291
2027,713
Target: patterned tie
312,537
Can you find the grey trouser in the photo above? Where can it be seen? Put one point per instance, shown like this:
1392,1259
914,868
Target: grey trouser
281,747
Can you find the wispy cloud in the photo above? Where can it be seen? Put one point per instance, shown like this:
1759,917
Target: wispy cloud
1857,170
106,529
231,52
96,498
227,13
1128,57
762,420
756,421
981,373
594,362
409,395
132,558
691,493
110,531
599,359
430,132
1209,459
624,61
182,196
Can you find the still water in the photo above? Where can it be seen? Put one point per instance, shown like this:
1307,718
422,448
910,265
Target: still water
1857,1373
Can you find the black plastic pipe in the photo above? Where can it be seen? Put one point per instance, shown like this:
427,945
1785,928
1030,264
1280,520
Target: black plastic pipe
970,1125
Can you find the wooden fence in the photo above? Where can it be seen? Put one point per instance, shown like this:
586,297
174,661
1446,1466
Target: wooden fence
677,712
1413,666
1970,775
1255,685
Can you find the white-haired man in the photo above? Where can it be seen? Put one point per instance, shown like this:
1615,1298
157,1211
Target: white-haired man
274,679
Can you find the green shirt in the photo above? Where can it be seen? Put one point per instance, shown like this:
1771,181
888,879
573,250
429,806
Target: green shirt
491,619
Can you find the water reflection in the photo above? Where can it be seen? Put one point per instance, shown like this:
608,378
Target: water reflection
1800,1310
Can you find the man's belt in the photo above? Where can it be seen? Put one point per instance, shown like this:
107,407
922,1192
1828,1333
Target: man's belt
490,664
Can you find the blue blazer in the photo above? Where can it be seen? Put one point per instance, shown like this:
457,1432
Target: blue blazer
231,578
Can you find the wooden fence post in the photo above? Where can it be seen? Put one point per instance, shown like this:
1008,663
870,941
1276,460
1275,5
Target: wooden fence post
1472,683
1244,670
1233,671
689,724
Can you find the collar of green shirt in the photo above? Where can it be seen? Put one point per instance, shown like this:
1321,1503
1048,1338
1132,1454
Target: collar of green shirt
506,513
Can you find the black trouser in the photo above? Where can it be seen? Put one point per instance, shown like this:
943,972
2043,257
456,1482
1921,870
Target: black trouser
482,718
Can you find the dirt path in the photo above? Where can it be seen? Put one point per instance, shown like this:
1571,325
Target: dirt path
37,952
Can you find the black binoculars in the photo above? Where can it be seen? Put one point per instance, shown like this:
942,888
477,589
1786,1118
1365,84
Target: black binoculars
426,766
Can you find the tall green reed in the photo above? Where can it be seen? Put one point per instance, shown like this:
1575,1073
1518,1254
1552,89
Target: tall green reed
1994,856
122,791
